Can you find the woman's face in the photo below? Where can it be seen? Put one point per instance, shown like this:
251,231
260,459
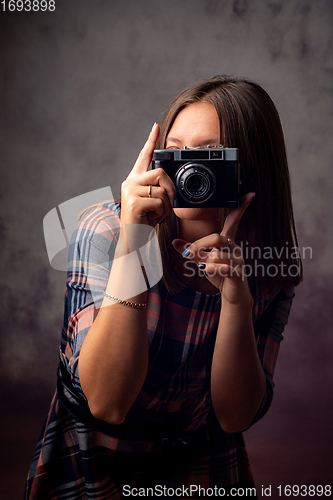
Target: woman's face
197,125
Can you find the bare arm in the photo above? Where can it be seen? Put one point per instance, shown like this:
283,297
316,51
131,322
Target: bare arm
237,379
114,356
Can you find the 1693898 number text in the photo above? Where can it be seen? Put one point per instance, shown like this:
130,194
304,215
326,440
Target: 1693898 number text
305,491
28,5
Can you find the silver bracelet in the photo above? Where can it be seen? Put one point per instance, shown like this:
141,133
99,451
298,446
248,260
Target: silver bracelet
125,302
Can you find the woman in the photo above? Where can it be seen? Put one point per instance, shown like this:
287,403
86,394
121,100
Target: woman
155,387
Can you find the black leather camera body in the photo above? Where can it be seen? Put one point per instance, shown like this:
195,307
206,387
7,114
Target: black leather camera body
204,177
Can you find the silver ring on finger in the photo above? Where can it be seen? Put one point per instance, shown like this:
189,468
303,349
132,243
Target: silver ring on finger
149,190
229,243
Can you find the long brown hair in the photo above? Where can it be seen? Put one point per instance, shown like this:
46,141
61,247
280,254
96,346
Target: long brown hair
250,122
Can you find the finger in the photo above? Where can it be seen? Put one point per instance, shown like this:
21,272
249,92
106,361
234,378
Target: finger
149,193
155,208
233,218
152,208
199,248
158,177
144,159
224,270
180,245
197,251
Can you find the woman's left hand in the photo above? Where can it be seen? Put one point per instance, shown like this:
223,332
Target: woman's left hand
221,259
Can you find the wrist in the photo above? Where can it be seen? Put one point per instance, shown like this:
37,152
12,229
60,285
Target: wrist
236,319
242,306
133,237
237,295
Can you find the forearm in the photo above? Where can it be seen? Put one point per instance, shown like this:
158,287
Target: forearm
237,382
113,361
114,356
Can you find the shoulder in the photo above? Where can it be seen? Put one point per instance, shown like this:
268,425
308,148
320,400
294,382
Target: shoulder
101,218
105,214
278,302
272,313
98,226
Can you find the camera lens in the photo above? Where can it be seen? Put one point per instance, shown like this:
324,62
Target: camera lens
195,182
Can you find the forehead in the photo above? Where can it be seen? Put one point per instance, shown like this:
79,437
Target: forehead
196,122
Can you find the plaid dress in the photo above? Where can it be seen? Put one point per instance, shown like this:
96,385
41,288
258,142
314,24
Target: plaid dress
170,437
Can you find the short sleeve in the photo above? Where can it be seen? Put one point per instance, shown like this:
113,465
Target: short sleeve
90,257
271,318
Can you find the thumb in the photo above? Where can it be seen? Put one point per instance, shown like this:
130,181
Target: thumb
180,245
233,218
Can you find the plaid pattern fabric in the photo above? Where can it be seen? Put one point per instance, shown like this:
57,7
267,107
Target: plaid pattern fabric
72,461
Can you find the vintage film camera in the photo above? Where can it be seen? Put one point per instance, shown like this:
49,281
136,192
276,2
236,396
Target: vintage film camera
204,177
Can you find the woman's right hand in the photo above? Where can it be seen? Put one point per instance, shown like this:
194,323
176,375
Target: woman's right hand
137,207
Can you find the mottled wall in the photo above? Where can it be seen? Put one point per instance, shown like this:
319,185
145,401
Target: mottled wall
80,89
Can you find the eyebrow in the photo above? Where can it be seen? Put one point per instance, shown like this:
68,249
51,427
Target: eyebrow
201,143
173,139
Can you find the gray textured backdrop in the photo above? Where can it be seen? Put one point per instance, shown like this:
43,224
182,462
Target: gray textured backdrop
80,90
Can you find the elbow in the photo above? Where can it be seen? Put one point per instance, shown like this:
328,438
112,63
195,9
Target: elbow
233,421
232,427
110,415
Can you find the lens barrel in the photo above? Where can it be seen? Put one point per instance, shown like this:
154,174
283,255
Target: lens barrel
195,182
